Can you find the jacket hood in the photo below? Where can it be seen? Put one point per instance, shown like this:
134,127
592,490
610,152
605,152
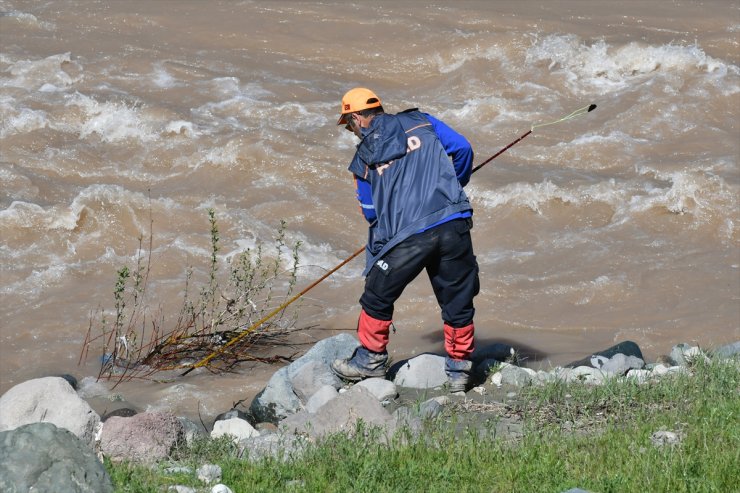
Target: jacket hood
383,141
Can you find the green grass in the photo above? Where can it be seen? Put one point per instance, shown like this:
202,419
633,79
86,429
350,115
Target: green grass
595,438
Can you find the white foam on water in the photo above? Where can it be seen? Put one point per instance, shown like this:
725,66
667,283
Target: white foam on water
27,20
21,121
39,279
603,68
535,195
182,127
112,121
704,195
457,58
35,74
162,78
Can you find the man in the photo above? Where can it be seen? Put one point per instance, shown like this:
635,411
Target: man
412,194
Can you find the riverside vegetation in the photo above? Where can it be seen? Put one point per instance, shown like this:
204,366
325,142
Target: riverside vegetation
609,438
605,438
224,322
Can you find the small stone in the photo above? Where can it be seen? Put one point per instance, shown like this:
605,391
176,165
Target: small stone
266,427
221,488
497,379
662,438
430,409
209,473
640,376
181,489
480,390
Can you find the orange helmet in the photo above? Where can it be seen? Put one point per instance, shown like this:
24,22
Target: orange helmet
357,99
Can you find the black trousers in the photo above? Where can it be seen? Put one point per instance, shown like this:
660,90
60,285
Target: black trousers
446,252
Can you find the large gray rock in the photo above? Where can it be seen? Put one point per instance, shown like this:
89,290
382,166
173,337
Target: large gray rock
596,360
685,355
276,445
236,428
278,400
728,351
341,415
51,400
619,364
146,437
425,371
321,397
41,457
381,388
309,378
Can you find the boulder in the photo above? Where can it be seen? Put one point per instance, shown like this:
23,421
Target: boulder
619,364
425,371
51,400
275,445
237,428
514,375
381,388
596,360
728,351
145,437
278,400
321,397
309,378
42,457
684,355
341,415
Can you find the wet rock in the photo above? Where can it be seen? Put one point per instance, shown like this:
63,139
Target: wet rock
71,380
43,457
497,352
123,412
52,400
596,360
620,364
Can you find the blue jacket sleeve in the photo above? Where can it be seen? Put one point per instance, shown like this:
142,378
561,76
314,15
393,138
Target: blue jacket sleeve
365,197
457,147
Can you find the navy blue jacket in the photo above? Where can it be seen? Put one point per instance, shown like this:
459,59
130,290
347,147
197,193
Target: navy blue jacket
406,182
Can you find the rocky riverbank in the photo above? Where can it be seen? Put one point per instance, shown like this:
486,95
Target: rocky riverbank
52,440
